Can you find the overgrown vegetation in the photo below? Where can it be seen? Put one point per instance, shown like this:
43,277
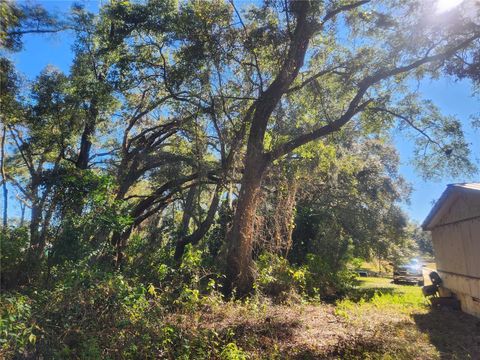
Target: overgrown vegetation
207,177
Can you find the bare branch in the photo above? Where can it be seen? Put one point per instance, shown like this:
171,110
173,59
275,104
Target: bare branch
411,124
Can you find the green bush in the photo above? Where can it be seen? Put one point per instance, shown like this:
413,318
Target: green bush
232,352
13,245
92,314
183,287
324,281
84,233
88,310
277,278
17,328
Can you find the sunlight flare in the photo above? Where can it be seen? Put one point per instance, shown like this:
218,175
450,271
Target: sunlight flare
447,5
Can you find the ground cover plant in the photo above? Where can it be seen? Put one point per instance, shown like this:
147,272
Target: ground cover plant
378,320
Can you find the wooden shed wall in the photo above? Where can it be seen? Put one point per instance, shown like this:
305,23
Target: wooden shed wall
466,289
457,247
456,243
465,206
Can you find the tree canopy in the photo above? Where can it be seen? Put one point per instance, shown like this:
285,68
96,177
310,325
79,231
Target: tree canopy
176,118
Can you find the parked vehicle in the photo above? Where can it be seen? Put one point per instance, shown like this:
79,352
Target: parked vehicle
408,274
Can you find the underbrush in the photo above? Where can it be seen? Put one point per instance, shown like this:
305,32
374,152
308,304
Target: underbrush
180,313
313,281
16,324
97,315
91,314
382,315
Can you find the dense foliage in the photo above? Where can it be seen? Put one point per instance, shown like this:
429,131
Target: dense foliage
198,151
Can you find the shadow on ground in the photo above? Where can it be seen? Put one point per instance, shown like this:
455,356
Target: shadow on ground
456,335
266,334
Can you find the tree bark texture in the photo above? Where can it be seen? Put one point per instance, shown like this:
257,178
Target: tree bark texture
4,182
202,230
239,272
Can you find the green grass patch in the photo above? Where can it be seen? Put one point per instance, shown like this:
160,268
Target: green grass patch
395,322
383,295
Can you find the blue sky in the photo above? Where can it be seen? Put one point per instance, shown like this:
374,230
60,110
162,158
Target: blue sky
453,98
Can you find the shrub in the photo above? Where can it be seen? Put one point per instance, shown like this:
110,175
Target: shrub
92,314
16,325
325,281
182,287
88,310
232,352
13,246
277,278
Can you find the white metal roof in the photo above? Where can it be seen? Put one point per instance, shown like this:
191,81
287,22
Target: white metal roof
471,186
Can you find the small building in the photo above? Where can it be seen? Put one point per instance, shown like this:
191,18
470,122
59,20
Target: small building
454,223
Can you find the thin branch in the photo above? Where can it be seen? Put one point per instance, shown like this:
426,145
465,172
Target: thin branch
103,154
331,14
354,106
19,186
313,78
20,144
256,65
38,31
353,109
411,124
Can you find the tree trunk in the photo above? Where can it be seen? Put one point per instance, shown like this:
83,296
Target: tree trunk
83,158
202,230
22,216
187,211
35,251
240,271
35,220
186,217
4,182
86,140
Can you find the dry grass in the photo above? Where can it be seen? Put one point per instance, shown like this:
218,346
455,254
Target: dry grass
379,321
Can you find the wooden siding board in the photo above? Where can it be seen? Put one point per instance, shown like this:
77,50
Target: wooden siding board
456,242
465,289
473,244
465,242
451,254
465,206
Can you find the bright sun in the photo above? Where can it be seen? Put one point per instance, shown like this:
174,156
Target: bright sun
446,5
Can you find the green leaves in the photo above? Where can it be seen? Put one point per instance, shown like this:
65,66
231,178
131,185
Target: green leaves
349,208
16,324
439,140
